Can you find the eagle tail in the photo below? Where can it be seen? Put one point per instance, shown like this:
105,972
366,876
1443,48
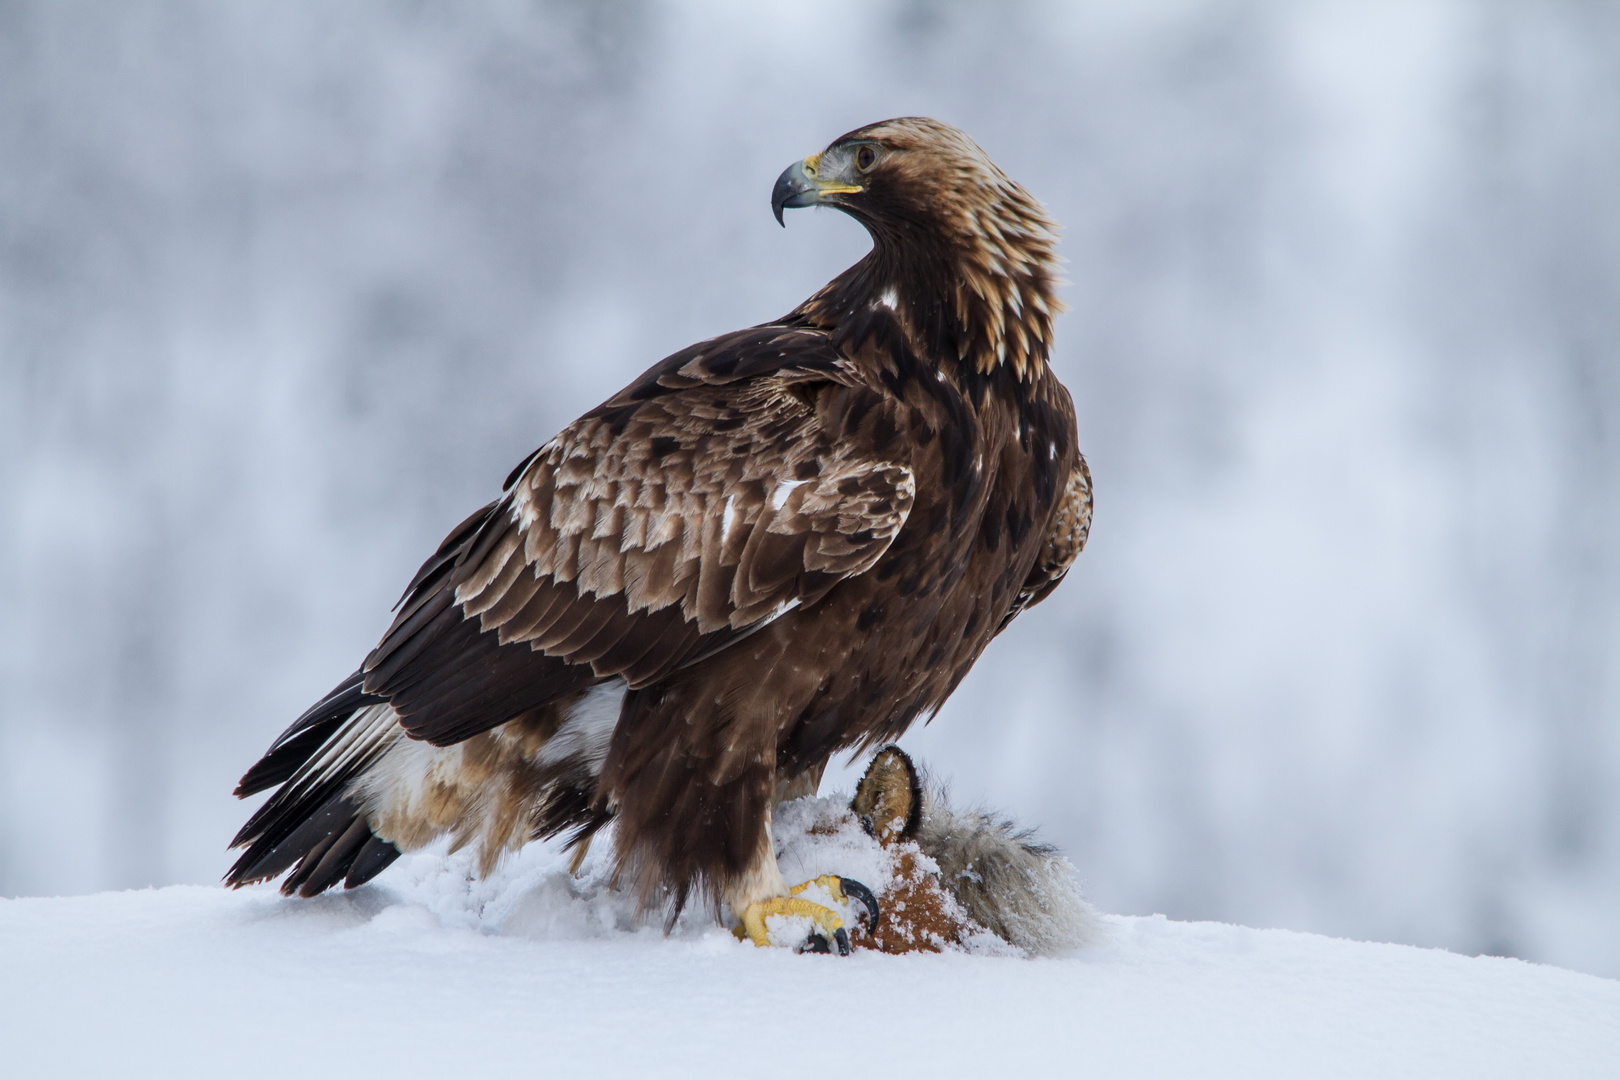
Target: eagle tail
312,824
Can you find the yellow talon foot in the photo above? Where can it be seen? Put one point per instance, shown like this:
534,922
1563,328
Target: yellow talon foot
829,924
831,882
825,918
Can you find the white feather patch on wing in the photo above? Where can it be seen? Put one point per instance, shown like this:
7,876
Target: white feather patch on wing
778,611
588,729
729,518
784,488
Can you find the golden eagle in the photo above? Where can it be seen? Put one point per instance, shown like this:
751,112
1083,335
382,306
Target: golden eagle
778,544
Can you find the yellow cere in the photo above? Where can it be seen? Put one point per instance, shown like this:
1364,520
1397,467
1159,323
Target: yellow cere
811,164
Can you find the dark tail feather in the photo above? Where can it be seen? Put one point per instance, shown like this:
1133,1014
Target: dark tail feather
299,742
309,825
376,856
334,844
263,861
334,865
283,759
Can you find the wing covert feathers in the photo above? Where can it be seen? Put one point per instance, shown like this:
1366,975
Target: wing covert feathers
732,483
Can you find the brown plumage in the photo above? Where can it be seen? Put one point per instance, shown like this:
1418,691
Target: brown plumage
775,545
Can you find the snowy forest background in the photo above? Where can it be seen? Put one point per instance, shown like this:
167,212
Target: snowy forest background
285,290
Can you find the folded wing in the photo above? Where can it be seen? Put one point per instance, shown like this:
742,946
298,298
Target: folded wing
735,481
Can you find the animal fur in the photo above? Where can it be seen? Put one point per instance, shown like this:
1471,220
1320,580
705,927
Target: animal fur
978,871
1007,881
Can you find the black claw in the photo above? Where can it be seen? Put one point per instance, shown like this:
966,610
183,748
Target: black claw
856,890
817,942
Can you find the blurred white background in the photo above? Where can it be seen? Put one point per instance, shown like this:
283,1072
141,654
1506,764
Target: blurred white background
286,289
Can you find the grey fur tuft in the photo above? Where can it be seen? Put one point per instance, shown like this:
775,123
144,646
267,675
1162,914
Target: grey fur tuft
1010,883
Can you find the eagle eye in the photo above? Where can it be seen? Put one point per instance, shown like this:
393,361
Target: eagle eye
865,158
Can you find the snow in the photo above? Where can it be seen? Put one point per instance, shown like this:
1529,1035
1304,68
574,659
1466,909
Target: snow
427,972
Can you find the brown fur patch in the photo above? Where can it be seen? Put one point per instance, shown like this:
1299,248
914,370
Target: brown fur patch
918,914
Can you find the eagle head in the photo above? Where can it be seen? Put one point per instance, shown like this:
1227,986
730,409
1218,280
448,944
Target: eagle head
958,243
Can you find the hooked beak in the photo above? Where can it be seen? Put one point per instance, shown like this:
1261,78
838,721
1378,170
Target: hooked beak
799,185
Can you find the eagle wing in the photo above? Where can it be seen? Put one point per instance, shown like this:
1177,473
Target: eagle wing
731,483
1063,544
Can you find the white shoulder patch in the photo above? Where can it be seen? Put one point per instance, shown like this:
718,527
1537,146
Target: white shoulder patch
784,488
728,518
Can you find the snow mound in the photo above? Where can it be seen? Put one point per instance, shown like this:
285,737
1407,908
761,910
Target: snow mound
430,973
